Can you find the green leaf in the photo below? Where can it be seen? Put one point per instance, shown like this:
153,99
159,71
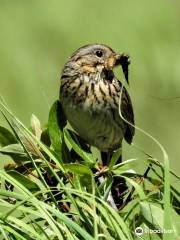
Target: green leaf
124,166
175,203
16,152
78,169
55,132
83,172
45,137
56,123
105,186
116,155
26,182
154,217
86,156
6,137
152,214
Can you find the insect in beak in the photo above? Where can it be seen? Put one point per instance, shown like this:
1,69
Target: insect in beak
124,61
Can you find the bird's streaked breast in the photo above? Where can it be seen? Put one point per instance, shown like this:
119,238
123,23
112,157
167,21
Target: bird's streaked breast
92,109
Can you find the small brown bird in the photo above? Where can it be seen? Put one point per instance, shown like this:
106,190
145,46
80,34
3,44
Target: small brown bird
90,94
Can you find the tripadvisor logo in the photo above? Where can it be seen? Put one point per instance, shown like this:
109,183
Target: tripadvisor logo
139,231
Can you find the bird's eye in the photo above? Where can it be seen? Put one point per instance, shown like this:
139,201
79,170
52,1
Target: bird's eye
99,53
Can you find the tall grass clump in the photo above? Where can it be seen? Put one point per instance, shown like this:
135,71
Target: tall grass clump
55,187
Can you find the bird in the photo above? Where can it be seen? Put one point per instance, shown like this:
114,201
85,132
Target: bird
90,95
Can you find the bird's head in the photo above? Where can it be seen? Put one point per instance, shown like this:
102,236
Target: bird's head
95,58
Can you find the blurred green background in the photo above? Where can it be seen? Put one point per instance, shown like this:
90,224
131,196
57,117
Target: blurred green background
36,37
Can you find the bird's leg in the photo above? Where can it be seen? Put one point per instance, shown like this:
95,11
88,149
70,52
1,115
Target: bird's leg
106,157
109,155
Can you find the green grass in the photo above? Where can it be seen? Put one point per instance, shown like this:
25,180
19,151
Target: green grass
37,37
39,162
50,193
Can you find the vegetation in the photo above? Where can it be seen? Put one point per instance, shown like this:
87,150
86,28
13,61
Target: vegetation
52,190
50,183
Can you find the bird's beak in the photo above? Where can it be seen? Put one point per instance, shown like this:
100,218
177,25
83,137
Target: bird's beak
124,61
